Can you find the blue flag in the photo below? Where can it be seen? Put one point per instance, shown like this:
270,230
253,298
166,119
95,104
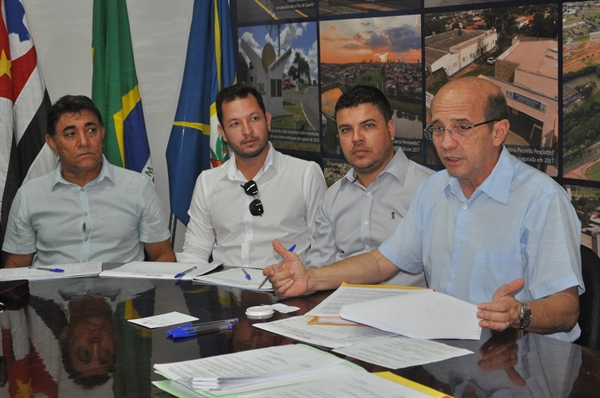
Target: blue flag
209,66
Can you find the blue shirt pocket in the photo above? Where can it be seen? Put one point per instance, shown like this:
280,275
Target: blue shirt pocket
490,271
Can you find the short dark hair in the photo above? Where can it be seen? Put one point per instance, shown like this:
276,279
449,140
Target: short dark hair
237,91
70,104
358,95
496,108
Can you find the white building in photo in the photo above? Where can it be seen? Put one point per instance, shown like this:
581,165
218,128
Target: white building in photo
456,49
266,75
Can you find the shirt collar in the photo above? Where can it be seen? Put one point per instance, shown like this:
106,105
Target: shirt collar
496,185
397,166
105,172
273,160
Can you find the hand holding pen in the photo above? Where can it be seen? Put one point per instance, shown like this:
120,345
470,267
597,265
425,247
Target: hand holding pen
291,249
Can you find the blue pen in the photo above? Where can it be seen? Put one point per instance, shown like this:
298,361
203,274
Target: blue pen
51,269
182,273
247,274
291,249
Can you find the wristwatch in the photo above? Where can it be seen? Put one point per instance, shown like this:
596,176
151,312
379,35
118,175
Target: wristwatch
525,315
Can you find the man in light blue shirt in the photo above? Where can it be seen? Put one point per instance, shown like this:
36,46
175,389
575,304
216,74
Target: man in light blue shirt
362,209
489,230
86,209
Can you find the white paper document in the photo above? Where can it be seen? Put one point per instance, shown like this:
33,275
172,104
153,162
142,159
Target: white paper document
421,314
157,270
168,319
235,277
347,383
347,294
323,336
52,272
225,372
401,352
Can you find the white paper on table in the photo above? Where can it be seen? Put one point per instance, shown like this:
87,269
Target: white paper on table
347,383
401,352
422,315
248,389
347,294
252,367
168,319
158,270
34,274
235,277
323,336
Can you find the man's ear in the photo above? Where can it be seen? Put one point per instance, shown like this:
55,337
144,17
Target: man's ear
51,143
391,125
501,129
221,132
268,118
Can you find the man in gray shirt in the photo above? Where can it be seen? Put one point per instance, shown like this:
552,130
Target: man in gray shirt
361,210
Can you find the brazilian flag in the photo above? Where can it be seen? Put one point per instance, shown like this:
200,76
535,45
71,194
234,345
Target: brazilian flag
115,88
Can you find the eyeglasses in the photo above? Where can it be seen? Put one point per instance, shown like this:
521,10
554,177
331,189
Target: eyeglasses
256,206
459,130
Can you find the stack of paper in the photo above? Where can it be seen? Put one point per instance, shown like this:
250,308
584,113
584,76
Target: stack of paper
157,270
59,271
254,369
235,277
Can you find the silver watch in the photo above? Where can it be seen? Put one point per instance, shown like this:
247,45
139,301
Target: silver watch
525,315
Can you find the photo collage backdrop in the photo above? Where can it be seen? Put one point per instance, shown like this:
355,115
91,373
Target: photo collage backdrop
301,55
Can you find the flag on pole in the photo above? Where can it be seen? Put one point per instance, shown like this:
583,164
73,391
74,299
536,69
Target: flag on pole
115,88
24,103
195,144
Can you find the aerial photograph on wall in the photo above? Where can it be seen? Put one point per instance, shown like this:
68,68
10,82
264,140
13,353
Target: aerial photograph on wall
581,90
516,48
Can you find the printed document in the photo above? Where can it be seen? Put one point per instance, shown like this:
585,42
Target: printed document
348,383
157,270
224,372
323,336
36,274
421,314
401,352
347,294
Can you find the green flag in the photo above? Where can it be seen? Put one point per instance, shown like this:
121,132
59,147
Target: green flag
115,88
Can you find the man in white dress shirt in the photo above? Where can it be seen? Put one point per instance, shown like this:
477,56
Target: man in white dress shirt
258,195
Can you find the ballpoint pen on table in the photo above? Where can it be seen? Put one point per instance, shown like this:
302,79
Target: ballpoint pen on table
291,249
198,329
51,269
232,321
182,273
247,275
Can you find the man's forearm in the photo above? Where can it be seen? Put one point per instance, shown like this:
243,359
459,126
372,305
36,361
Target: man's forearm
369,268
556,313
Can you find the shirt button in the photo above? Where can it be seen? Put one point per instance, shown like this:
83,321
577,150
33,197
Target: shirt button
85,214
366,223
82,189
459,240
85,239
464,206
368,193
453,277
84,261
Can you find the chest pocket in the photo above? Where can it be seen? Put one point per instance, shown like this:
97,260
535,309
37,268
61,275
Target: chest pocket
490,270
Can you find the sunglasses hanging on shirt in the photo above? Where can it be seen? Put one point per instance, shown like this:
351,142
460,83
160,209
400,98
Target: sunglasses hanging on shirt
256,206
